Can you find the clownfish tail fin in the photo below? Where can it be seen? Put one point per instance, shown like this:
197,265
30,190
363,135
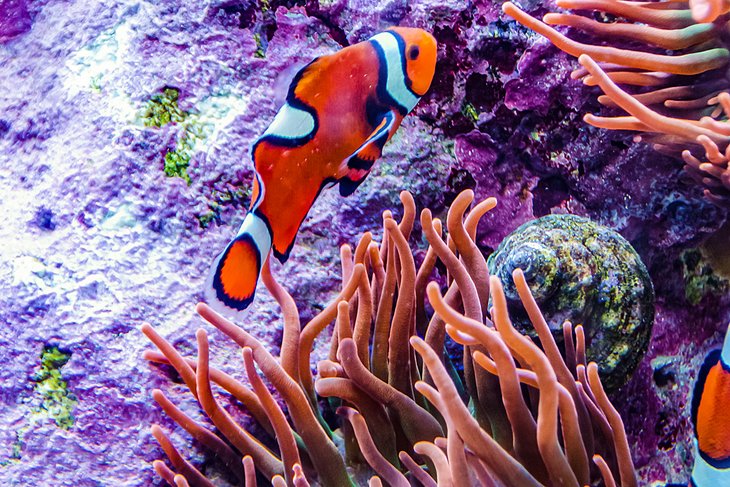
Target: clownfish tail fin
233,276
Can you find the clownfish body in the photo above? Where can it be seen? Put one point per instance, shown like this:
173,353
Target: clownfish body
340,111
711,420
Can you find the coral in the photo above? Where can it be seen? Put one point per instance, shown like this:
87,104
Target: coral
403,411
585,273
679,99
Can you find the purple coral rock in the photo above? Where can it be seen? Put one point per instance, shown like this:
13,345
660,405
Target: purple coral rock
14,19
479,155
544,76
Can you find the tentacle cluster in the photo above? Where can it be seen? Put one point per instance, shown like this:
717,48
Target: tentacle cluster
674,88
517,416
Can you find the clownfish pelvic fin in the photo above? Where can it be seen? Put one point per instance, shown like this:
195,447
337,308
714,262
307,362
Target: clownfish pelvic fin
358,165
231,284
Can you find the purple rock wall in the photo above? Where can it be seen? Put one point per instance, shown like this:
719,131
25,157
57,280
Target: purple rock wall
96,238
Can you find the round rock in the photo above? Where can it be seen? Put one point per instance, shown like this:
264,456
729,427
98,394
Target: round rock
587,274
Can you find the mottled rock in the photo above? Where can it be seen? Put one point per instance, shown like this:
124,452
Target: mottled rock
586,274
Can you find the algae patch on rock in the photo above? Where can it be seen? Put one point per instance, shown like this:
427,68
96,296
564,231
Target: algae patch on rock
700,279
193,127
58,402
588,274
161,110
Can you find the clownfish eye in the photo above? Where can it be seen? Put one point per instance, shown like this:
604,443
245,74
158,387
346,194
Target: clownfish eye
413,53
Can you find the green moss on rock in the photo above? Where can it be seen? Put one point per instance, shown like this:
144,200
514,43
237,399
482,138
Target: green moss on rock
177,161
162,109
260,53
587,274
58,402
700,279
237,197
470,112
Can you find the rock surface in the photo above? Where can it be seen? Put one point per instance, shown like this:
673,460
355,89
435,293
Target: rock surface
586,274
96,238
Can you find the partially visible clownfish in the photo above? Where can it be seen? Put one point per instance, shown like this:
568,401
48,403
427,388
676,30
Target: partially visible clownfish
711,420
340,111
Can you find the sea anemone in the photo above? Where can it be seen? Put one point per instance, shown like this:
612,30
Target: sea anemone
525,416
672,59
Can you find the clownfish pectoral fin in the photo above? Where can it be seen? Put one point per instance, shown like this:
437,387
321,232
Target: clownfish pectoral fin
357,166
233,276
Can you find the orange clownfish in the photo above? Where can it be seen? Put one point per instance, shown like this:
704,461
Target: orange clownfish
340,111
711,420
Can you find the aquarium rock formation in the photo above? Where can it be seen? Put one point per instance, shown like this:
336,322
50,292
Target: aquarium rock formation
123,169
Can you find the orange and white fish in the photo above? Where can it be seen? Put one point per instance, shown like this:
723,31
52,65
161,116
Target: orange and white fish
711,420
340,111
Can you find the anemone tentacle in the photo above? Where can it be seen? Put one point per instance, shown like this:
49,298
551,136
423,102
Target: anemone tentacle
412,403
674,88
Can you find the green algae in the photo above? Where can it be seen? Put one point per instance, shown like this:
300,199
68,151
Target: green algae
58,402
16,449
470,112
700,279
193,128
260,53
219,199
206,218
178,160
163,109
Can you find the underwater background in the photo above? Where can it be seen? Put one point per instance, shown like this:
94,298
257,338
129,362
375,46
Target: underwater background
124,169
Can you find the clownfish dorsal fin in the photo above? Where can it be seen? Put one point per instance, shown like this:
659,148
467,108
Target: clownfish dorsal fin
283,81
306,82
234,274
296,122
357,166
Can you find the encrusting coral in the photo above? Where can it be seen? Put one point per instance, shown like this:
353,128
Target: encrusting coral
525,416
680,98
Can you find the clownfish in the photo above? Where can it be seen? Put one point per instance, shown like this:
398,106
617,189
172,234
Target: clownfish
340,110
711,420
